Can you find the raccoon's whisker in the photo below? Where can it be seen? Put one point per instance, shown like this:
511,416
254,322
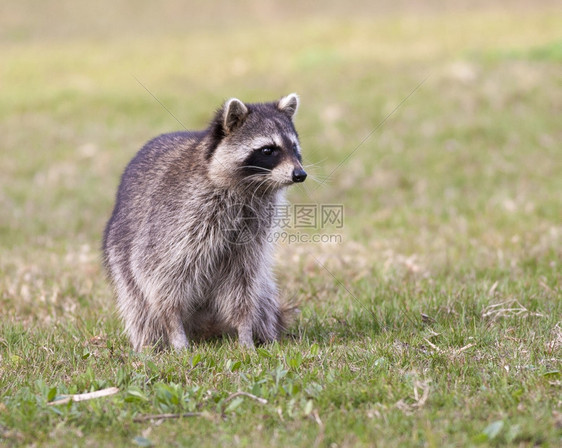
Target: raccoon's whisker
315,176
256,175
314,179
311,167
305,189
254,167
270,186
318,178
258,188
308,165
253,182
313,172
250,180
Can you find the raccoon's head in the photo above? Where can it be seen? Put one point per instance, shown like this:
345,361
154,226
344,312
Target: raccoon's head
256,145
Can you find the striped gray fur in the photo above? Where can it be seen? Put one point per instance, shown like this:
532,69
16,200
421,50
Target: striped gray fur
187,247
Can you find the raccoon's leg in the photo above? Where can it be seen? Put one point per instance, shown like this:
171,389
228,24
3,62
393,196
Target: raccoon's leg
176,332
244,310
245,337
140,325
234,304
135,316
268,326
268,322
263,315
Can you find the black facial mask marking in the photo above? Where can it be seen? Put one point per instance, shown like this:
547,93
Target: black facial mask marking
259,163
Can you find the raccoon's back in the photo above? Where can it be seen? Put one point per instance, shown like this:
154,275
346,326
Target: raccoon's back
159,167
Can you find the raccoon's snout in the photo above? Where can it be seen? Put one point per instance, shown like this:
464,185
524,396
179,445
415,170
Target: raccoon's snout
299,175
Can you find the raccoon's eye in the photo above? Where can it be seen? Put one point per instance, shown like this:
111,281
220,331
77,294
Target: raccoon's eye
267,151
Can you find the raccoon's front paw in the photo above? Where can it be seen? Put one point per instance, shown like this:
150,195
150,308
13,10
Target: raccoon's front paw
179,342
245,338
248,345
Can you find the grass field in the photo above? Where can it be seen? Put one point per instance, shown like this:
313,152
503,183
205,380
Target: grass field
435,321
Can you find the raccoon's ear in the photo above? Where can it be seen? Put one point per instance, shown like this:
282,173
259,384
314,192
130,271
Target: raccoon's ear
289,104
235,112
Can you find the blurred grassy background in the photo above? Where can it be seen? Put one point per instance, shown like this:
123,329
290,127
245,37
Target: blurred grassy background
453,206
463,175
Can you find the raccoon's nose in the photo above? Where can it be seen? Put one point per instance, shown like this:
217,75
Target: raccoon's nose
299,175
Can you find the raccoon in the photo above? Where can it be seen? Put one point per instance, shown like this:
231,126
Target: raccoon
187,248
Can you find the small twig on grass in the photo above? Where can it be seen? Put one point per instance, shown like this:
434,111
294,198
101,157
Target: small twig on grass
320,437
495,311
87,396
424,386
433,346
419,401
144,418
493,288
545,286
466,347
245,394
317,418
